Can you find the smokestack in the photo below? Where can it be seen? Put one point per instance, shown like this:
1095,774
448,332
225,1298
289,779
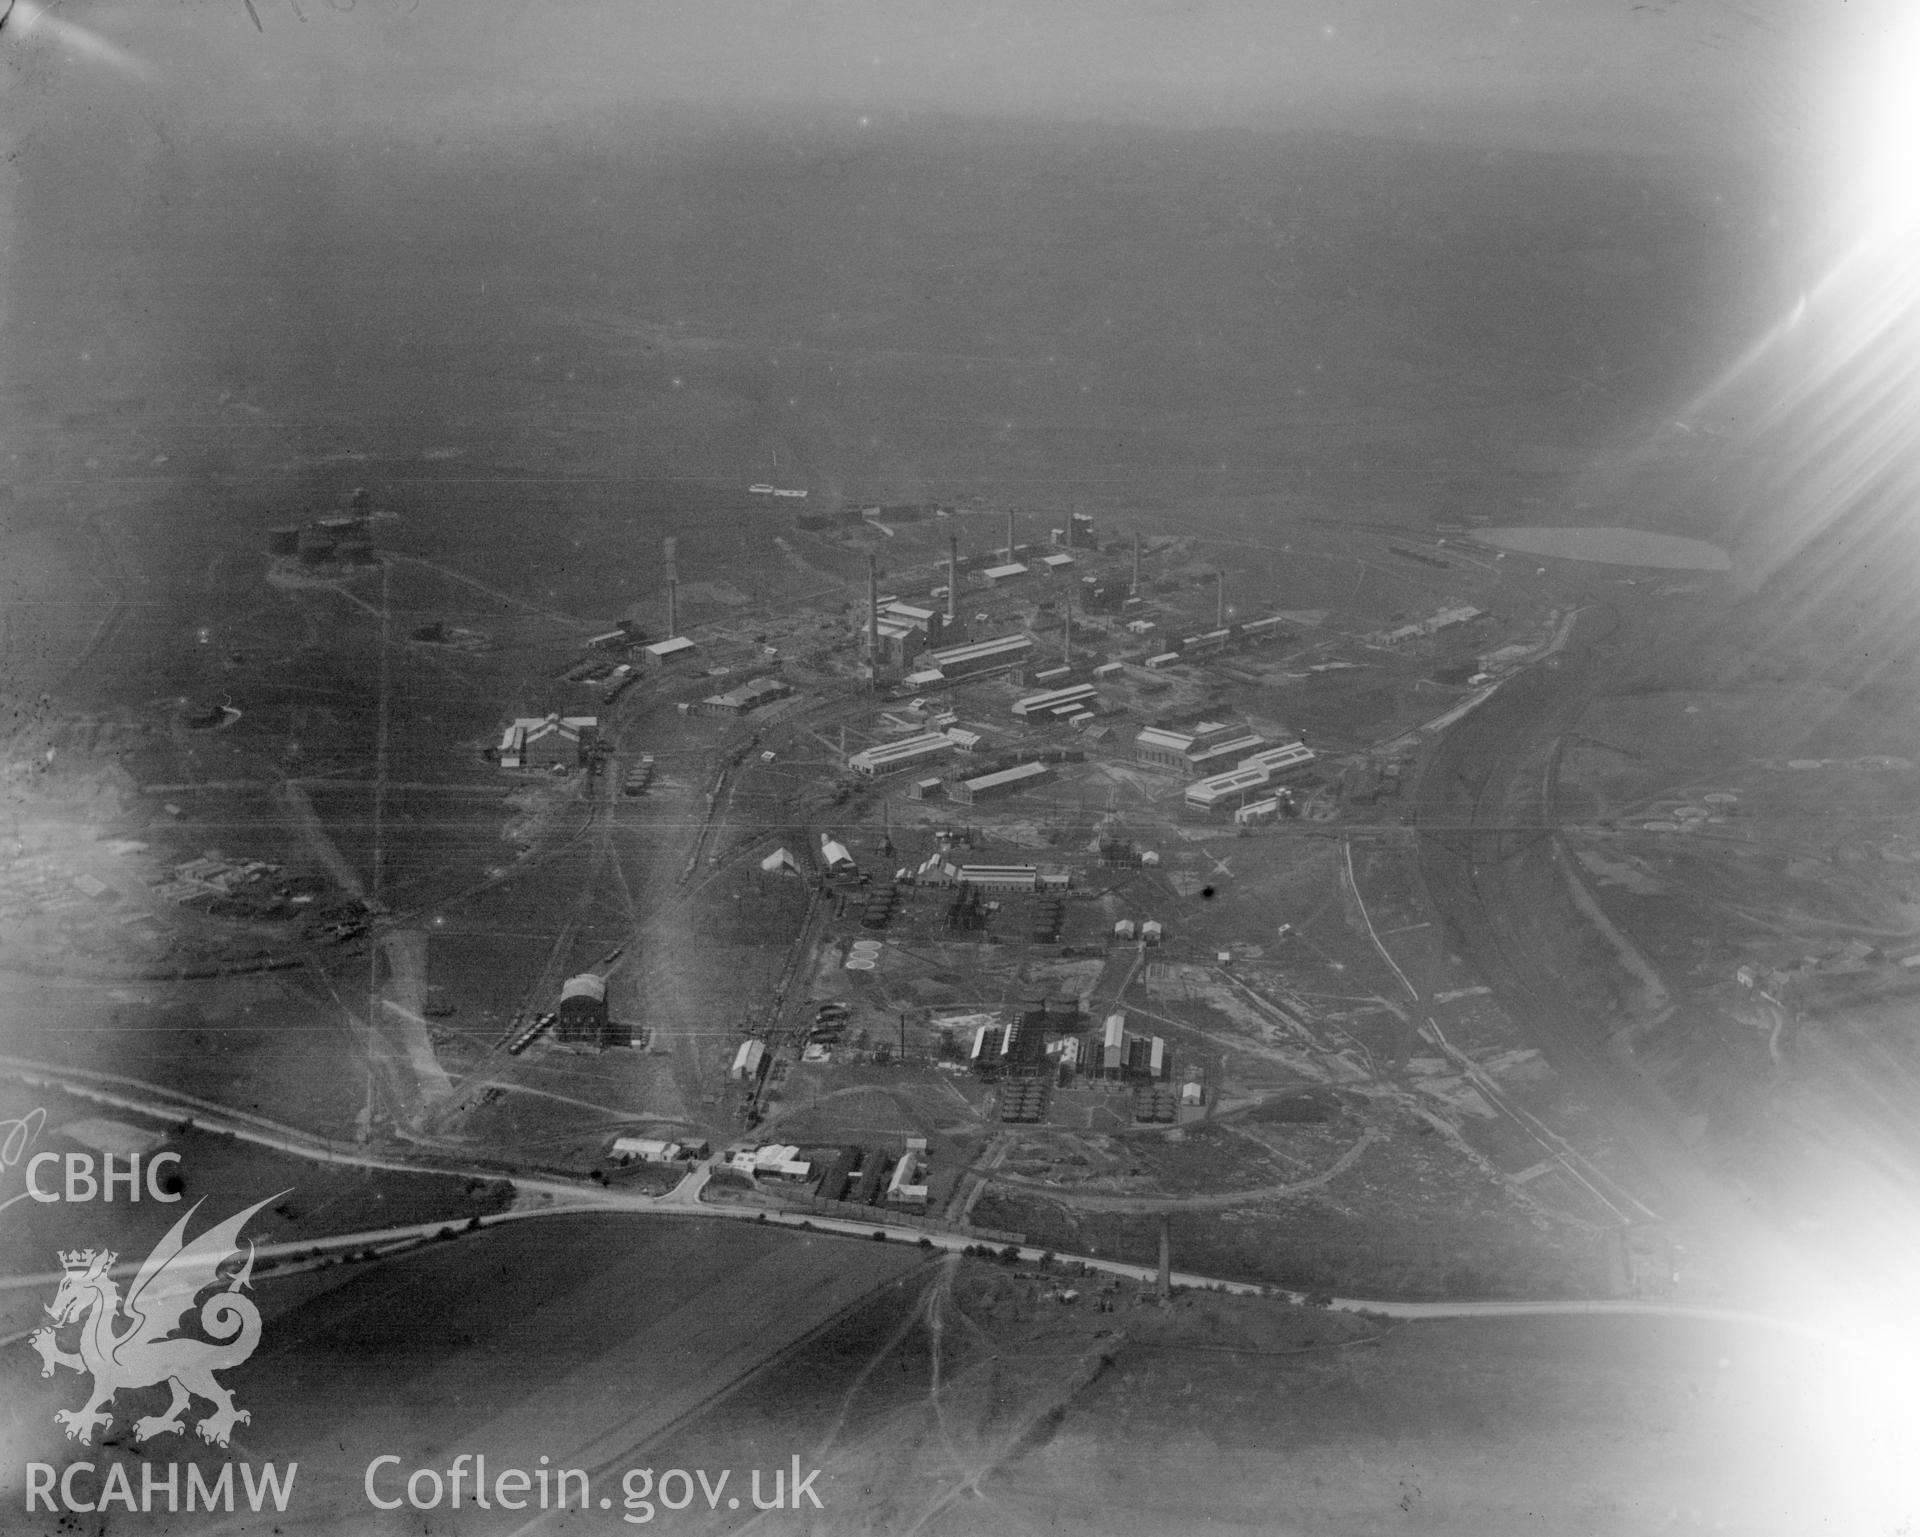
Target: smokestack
1009,536
1166,1257
1136,564
673,591
1066,645
1220,601
953,573
873,614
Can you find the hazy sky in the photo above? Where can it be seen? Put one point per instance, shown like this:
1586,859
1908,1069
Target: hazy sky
1659,76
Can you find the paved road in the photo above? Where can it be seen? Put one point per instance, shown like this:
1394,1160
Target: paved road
563,1198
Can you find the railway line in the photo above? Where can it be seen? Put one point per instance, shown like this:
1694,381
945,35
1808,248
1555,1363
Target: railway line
1502,898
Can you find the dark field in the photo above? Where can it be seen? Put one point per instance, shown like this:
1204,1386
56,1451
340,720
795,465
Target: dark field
580,1339
993,1408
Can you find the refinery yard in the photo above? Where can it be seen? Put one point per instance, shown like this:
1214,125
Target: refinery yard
1107,770
1052,882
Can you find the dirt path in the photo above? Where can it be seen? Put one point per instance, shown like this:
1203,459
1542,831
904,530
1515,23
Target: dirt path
1211,1201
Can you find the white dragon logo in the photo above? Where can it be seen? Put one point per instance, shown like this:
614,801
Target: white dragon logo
148,1352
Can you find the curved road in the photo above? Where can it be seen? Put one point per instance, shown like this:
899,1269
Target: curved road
563,1198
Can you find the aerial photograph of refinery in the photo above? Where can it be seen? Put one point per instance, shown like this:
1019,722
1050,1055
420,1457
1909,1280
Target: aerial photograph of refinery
1123,768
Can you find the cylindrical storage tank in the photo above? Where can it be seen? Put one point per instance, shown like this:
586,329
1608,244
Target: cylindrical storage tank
283,540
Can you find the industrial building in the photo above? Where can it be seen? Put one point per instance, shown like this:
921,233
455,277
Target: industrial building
833,1184
774,1158
1056,562
1210,742
1209,644
1009,781
890,757
1233,788
1161,661
928,621
981,656
908,1186
749,1061
1282,762
676,649
547,742
895,641
1444,619
583,1012
746,697
996,877
996,576
1218,745
645,1149
873,1169
1053,699
1027,1041
1125,1055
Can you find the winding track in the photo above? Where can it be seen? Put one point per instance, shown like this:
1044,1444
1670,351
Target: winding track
556,1197
1503,897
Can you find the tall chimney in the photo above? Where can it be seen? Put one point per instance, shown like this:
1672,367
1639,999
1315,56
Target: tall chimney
1009,536
1136,564
1066,644
673,592
953,573
873,614
1166,1257
1220,601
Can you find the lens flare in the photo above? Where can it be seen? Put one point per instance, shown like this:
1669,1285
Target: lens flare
26,19
1880,144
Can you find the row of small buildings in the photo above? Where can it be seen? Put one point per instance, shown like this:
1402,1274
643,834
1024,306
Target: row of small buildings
1023,1046
866,1176
904,629
938,870
925,747
1126,1055
1257,766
